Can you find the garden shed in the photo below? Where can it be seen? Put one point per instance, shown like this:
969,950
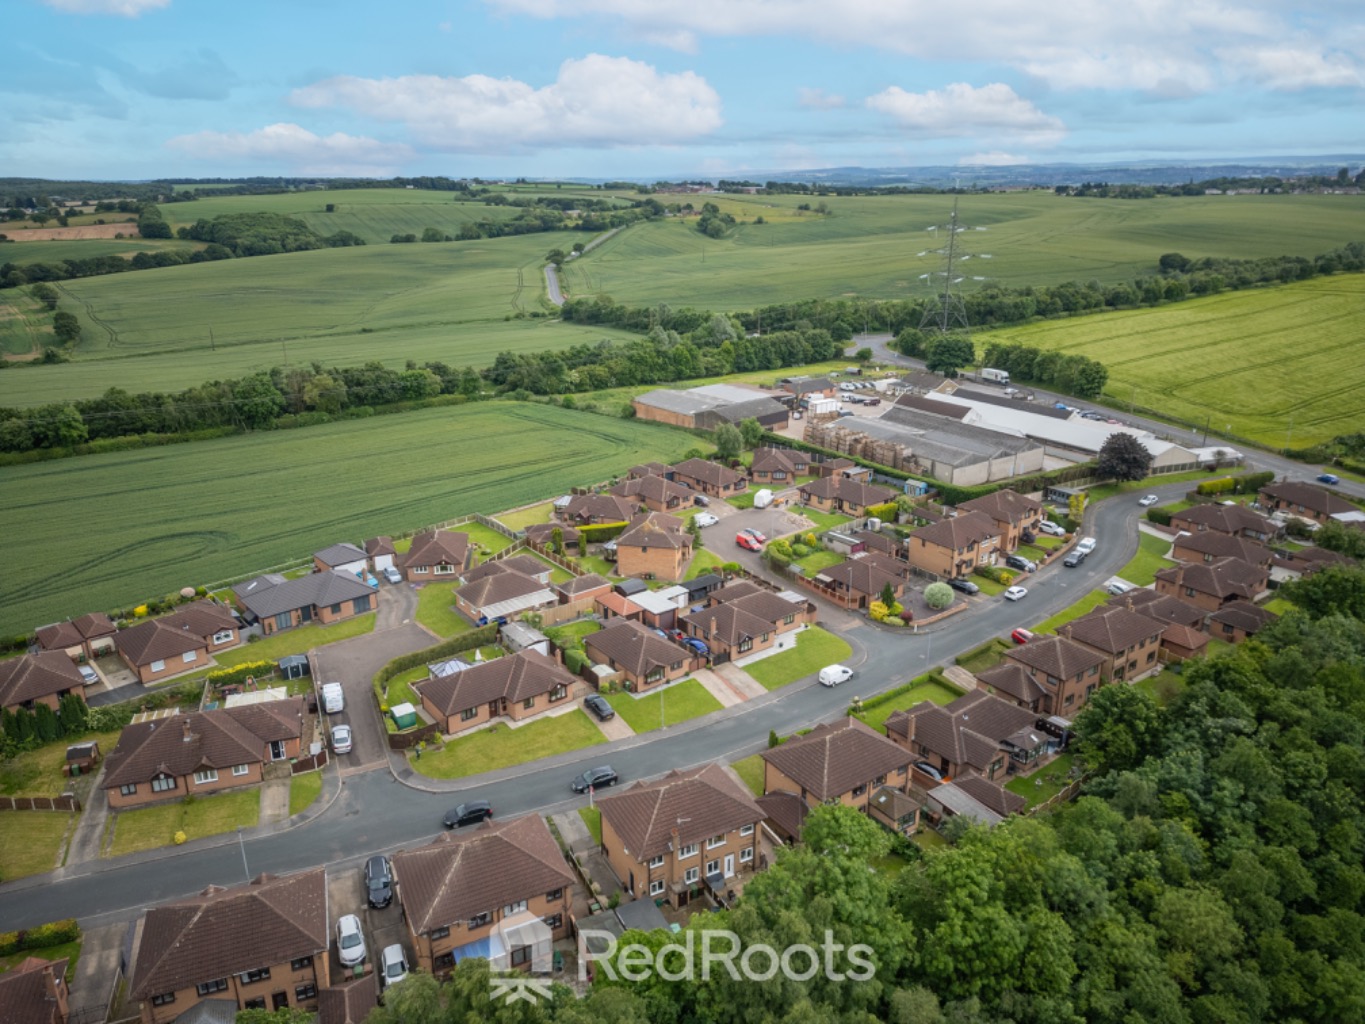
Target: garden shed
404,715
294,666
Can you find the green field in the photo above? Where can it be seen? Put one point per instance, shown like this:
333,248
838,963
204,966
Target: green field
1251,360
55,250
115,529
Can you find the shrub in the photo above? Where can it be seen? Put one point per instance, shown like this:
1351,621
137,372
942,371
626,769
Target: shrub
1221,485
938,595
239,673
1251,483
1160,516
575,661
598,532
801,550
886,512
995,573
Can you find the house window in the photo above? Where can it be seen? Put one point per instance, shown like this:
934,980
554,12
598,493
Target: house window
559,693
747,644
336,608
305,992
1052,680
746,830
1189,591
656,862
554,896
163,784
880,780
656,887
690,850
257,1003
469,713
158,666
223,636
514,908
713,867
859,790
654,675
128,788
361,604
691,876
1070,699
300,963
789,619
190,657
746,855
419,570
554,922
210,987
165,999
1227,628
284,620
479,920
443,962
439,933
715,841
1151,657
528,703
1094,670
259,974
206,776
521,955
240,769
445,570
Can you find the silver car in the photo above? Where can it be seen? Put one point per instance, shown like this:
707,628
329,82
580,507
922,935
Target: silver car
393,966
350,941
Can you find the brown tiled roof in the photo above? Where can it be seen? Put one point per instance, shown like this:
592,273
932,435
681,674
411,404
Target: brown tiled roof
991,794
544,533
457,877
655,530
648,469
23,991
785,810
599,508
31,676
584,584
1112,629
1004,506
515,677
698,803
350,1002
438,547
156,641
1162,607
851,491
202,618
652,488
958,532
70,634
772,460
708,472
377,546
1010,678
497,587
886,563
735,589
1222,518
878,542
767,606
1310,496
1243,615
1056,656
861,576
1212,545
831,759
728,623
633,647
970,731
1191,639
1227,577
268,922
270,720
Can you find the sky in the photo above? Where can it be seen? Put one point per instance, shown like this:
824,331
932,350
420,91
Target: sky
126,89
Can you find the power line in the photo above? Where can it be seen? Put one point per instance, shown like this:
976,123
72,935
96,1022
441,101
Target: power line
949,313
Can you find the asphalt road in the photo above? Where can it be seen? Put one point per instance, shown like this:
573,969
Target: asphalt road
376,813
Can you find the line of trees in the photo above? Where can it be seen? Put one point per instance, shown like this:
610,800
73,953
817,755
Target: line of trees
1264,185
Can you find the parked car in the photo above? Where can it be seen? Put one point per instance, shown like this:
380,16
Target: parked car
833,675
598,705
88,675
757,535
676,634
1021,636
594,778
1026,537
1016,593
1329,478
1050,528
966,586
350,941
378,882
1121,587
1021,563
1147,500
469,813
700,499
1074,558
929,770
1086,545
747,542
341,739
705,519
697,645
393,966
392,575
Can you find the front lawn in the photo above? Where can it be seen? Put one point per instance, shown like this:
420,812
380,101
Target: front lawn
931,689
823,520
988,655
592,817
812,564
1089,603
703,561
1044,782
39,772
62,951
750,769
525,517
501,747
681,701
1128,487
744,499
1150,559
202,816
31,842
436,610
814,649
1164,687
989,586
299,640
400,689
303,790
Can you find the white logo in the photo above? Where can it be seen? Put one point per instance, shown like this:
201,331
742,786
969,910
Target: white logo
721,949
521,941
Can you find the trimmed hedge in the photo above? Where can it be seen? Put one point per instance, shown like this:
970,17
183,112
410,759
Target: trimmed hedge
596,533
240,673
480,637
932,676
1221,485
995,574
54,933
1160,516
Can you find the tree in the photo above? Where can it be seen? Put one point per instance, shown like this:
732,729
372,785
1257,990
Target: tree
863,355
1173,262
887,596
948,354
65,326
434,235
1119,729
68,428
911,342
1335,589
938,596
258,401
45,294
1123,457
729,441
325,393
752,432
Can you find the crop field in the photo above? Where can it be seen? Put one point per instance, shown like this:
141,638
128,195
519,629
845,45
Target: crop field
1278,365
867,246
116,529
56,250
25,323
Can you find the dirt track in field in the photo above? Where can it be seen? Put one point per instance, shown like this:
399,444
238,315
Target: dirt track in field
86,231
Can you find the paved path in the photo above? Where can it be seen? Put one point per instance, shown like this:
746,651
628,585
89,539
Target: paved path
740,681
274,800
552,275
97,969
717,687
614,728
85,844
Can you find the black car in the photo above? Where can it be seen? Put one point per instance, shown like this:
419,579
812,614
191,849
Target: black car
470,813
594,778
1026,537
1074,559
700,499
378,882
1019,562
598,705
966,586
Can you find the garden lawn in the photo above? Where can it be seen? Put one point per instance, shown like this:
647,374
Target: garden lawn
1150,559
988,655
1164,687
571,634
1089,603
599,565
823,520
890,865
1279,605
592,817
525,517
927,839
501,747
299,640
703,561
988,586
817,560
31,842
303,790
400,687
931,690
745,499
680,701
557,575
482,537
150,827
814,649
39,772
436,610
750,769
1044,782
62,951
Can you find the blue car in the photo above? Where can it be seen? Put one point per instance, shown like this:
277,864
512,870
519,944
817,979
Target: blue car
1329,478
699,646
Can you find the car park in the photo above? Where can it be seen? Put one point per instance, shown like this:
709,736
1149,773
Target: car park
88,675
598,705
341,739
594,778
833,675
1329,478
350,941
469,813
926,768
1016,593
1050,528
965,586
378,882
1086,545
1021,636
1021,563
1074,558
1147,500
392,575
705,519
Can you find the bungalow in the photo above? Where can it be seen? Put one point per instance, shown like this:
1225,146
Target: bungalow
381,553
837,763
1012,513
952,548
840,494
587,587
590,509
517,687
1210,586
655,546
42,678
543,535
975,733
201,752
1068,672
155,650
857,582
745,629
709,478
1235,520
502,592
643,658
668,838
1239,620
527,565
262,944
465,895
1129,641
323,597
434,555
1293,565
778,467
840,466
1303,500
648,469
654,493
1211,545
208,619
85,638
34,991
342,558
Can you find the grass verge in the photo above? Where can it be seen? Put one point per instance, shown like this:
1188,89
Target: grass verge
1150,559
677,703
815,648
930,686
31,842
986,656
150,827
750,769
1089,603
501,747
592,817
303,790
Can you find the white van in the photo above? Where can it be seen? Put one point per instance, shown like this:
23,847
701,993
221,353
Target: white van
333,699
763,498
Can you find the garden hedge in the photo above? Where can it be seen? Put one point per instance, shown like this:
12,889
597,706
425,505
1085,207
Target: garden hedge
480,637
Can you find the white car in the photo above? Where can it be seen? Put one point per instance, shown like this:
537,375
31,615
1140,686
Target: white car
1150,499
341,739
1051,529
1015,593
1086,545
393,966
350,941
833,675
88,674
705,519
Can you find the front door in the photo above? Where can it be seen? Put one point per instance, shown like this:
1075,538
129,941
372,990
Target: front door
630,885
277,750
280,999
306,613
729,865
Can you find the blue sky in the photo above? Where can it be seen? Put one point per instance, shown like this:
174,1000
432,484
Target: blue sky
596,88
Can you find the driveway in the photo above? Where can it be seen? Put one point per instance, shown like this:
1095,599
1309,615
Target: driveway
353,663
397,606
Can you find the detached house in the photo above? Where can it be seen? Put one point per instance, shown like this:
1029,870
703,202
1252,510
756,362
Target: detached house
1129,641
589,509
1067,672
641,656
952,548
178,642
343,558
82,639
261,945
778,467
543,534
655,546
1011,512
747,628
435,555
467,895
976,733
838,763
34,991
1210,586
669,838
517,686
1303,500
838,493
323,597
1234,520
709,478
654,492
43,678
1239,620
857,582
502,591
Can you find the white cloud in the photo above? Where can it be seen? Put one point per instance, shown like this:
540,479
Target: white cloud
818,99
960,109
995,158
296,147
596,101
1293,67
127,8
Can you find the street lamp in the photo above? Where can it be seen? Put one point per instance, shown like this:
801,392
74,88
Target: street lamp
242,843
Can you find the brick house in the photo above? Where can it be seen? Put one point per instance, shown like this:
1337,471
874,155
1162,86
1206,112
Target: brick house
1238,620
744,628
34,991
778,467
500,590
85,638
1011,512
1210,586
461,892
654,545
1161,607
1011,681
1211,545
1304,500
517,686
342,557
184,640
381,553
648,469
260,945
1180,643
838,763
322,597
589,509
643,658
1066,671
857,582
840,466
1129,641
201,752
436,555
838,493
952,548
710,478
587,587
527,565
664,839
654,492
42,678
1234,520
977,733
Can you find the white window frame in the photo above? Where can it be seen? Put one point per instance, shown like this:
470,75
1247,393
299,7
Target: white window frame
514,908
656,887
657,861
158,666
203,778
746,830
445,570
712,868
715,842
241,769
690,850
691,876
746,855
419,570
223,636
190,657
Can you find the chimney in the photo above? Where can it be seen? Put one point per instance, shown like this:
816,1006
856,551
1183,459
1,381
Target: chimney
185,724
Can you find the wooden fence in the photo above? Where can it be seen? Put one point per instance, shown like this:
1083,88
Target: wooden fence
65,802
309,763
409,739
1068,792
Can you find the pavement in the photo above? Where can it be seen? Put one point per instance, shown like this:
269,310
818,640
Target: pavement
718,687
397,606
613,728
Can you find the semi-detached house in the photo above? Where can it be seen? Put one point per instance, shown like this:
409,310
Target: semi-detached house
953,548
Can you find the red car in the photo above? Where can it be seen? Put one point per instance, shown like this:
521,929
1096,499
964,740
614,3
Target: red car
755,534
747,542
1021,636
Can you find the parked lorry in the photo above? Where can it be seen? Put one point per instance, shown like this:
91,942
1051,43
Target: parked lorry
995,376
